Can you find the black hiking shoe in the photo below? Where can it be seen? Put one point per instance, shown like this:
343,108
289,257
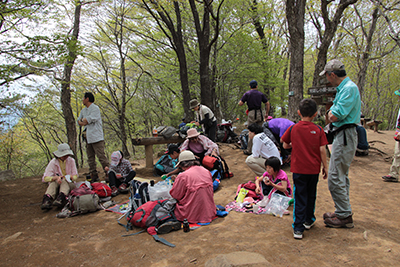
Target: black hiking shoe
47,202
61,201
168,227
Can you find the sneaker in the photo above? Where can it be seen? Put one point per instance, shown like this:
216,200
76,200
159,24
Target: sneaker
308,225
298,235
114,191
123,188
168,227
329,215
61,201
336,222
47,202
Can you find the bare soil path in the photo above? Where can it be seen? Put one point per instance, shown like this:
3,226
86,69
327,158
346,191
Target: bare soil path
31,237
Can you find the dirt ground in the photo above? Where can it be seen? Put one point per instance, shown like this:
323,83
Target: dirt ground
32,237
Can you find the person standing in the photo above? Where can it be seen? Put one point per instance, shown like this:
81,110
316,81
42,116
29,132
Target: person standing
344,115
308,141
206,117
393,176
90,118
254,98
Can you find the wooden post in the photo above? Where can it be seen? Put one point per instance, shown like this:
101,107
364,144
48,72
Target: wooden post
149,155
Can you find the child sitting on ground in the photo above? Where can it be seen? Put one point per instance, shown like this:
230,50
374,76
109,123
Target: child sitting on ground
273,180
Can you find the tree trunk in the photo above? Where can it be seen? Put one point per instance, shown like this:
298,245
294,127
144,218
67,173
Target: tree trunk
69,118
295,10
329,33
364,62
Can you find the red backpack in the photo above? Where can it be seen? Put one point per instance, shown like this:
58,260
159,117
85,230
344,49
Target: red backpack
102,190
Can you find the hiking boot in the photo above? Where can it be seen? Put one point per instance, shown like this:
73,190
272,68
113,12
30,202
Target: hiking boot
336,222
123,188
308,225
168,227
329,215
246,152
114,191
298,235
93,178
47,202
388,178
61,201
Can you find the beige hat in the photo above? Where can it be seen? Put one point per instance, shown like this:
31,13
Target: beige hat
332,65
63,150
192,132
186,156
193,103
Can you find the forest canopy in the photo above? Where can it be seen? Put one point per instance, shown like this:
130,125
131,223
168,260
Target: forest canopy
144,61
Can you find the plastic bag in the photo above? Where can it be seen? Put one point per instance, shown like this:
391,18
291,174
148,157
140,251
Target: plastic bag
160,190
277,204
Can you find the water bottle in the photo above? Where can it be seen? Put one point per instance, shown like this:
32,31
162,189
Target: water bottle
186,227
155,134
137,199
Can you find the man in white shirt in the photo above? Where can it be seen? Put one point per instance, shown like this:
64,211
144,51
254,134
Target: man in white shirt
262,149
90,118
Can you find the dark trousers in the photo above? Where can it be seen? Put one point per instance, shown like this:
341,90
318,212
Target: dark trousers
305,194
211,132
114,181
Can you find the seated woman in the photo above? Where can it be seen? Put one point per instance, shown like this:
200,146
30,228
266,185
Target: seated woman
60,174
120,173
193,190
200,145
274,180
167,163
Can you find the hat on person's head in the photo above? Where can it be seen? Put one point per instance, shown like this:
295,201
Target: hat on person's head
332,65
253,84
63,150
173,148
192,132
186,156
115,158
269,118
397,92
193,103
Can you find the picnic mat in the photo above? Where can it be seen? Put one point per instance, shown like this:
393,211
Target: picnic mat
120,208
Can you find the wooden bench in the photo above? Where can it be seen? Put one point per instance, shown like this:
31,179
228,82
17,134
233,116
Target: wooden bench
373,124
148,143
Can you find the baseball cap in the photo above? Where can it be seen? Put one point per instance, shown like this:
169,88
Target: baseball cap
397,92
253,84
332,65
115,158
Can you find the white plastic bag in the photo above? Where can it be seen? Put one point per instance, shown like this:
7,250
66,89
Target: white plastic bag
277,204
160,191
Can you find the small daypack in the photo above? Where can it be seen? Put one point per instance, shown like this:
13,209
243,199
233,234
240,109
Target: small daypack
102,190
251,187
82,200
217,163
151,215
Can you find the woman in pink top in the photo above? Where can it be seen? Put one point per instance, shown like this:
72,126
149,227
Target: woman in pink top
60,174
193,190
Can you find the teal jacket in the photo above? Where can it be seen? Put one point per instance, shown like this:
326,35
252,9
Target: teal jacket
347,104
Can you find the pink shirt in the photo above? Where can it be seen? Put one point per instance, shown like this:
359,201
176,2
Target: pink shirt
205,142
280,176
53,168
193,189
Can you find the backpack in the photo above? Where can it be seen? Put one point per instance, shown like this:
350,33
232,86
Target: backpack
244,139
82,200
217,163
150,215
251,187
102,190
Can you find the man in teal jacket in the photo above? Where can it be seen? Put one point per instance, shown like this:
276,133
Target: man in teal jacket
344,115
